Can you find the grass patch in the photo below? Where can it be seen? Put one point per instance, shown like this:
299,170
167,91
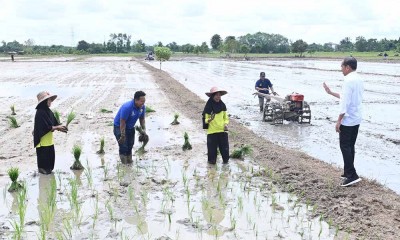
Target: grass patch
186,145
149,109
241,152
102,142
13,173
12,107
175,122
70,117
76,151
103,110
13,122
57,115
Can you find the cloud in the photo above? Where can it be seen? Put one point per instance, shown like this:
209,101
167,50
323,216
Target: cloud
195,21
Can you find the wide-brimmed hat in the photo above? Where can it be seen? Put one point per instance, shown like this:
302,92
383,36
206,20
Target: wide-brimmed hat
214,90
44,95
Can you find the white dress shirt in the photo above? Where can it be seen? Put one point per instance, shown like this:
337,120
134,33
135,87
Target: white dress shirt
351,99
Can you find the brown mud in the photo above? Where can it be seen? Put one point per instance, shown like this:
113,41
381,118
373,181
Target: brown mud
367,210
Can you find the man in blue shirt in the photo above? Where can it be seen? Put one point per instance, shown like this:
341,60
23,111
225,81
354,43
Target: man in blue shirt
124,125
263,85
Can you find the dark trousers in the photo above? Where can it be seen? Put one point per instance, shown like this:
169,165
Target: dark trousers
348,137
46,157
126,147
215,141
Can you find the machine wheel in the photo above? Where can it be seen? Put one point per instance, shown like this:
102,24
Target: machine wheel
305,117
277,114
267,113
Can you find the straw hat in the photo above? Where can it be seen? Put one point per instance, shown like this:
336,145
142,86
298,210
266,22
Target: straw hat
44,95
214,90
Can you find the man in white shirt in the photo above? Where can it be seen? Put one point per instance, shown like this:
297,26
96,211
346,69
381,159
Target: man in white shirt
349,117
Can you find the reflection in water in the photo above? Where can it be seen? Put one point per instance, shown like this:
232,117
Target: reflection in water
213,202
78,174
47,207
135,213
14,206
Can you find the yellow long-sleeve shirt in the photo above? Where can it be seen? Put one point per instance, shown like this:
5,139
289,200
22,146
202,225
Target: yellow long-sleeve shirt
218,123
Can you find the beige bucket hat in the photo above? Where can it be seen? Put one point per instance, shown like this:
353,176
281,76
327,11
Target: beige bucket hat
214,90
44,95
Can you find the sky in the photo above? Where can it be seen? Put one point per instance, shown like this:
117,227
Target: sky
58,22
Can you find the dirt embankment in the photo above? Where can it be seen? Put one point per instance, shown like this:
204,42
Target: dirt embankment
366,211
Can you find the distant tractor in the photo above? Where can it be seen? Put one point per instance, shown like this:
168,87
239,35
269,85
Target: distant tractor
291,108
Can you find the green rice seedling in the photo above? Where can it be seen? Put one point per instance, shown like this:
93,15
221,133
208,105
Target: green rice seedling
186,145
67,227
241,152
101,151
13,173
103,110
18,230
149,109
74,199
12,107
57,115
76,151
88,173
96,211
143,138
21,199
105,172
13,122
110,210
71,116
175,122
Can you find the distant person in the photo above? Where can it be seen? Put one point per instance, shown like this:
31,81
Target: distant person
263,85
385,55
12,57
44,126
216,117
349,117
124,125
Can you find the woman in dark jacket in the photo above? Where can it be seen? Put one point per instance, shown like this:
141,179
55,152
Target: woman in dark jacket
45,125
217,119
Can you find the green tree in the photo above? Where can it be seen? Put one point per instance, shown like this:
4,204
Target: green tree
361,44
265,43
173,46
140,46
188,48
231,45
244,49
299,46
162,54
345,45
216,41
82,46
204,48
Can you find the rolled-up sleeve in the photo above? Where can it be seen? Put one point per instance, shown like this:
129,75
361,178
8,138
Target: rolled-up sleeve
345,98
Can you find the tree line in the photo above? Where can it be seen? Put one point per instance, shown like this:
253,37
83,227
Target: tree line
259,42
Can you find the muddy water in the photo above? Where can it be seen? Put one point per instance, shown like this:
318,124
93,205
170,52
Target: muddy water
378,142
160,196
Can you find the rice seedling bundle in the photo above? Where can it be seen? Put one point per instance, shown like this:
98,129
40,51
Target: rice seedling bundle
186,145
76,151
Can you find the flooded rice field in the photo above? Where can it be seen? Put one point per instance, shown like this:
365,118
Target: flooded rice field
377,147
168,193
